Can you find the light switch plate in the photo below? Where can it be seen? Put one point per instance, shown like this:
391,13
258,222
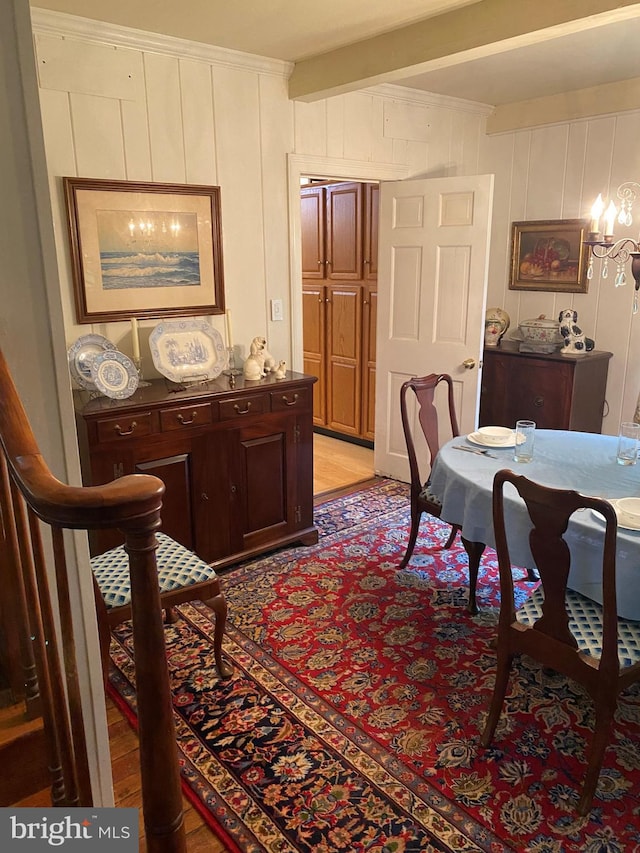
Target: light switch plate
277,310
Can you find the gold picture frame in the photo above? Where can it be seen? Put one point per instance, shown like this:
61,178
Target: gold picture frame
549,255
144,250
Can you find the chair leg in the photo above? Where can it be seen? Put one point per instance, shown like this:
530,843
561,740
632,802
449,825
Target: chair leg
219,606
532,576
474,553
170,615
452,536
605,710
497,700
413,535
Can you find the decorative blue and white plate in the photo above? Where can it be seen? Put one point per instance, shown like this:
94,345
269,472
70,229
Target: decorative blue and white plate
81,355
187,350
114,374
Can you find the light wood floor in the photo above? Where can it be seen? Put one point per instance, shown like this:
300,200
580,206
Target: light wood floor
337,464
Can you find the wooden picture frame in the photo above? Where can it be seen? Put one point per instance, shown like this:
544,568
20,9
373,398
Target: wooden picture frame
549,255
144,249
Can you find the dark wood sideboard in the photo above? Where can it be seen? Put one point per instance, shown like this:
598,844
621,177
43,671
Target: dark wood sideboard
554,390
237,462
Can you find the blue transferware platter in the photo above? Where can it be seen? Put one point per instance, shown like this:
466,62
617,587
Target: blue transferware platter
81,355
188,350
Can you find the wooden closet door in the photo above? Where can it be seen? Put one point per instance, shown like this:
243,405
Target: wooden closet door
344,232
313,345
312,223
344,358
369,320
370,262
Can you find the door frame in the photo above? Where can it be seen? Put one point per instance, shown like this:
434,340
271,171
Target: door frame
309,165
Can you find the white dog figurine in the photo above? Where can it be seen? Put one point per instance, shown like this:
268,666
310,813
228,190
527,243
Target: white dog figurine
280,371
254,366
575,341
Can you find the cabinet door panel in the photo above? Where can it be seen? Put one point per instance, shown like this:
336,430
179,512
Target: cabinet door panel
177,504
344,232
262,471
370,261
344,358
369,320
312,223
313,345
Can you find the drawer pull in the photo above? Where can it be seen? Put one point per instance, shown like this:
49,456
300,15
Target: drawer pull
204,496
121,431
538,401
185,422
240,411
289,402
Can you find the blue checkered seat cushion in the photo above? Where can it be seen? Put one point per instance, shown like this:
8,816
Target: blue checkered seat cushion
585,623
427,495
177,568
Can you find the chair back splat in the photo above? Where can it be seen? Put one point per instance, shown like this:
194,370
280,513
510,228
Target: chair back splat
31,496
557,626
422,500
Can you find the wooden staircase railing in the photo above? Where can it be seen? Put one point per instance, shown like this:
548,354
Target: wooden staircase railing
30,495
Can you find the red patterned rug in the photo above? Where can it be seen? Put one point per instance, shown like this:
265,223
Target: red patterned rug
352,719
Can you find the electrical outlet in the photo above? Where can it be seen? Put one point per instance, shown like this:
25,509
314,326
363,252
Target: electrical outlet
277,310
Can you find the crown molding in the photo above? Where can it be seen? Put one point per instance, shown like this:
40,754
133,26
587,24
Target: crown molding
430,99
46,22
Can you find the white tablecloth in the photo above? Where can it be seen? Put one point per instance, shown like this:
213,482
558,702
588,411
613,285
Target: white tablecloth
585,462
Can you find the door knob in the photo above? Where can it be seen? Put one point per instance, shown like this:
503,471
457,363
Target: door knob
469,363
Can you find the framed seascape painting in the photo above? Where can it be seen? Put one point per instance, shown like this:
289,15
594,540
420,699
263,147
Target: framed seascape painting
143,249
549,255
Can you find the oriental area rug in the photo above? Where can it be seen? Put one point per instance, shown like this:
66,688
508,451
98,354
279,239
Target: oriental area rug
352,719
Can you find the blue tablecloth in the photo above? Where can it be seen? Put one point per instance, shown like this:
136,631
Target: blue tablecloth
585,462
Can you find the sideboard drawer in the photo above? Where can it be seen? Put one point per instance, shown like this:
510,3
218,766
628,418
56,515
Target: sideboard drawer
239,407
131,425
185,416
296,398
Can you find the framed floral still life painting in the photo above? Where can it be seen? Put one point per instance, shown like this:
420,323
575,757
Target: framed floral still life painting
549,255
144,249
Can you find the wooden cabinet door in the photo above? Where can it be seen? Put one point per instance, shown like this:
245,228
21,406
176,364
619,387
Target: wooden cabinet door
181,464
313,345
369,320
344,232
312,224
344,358
370,261
262,472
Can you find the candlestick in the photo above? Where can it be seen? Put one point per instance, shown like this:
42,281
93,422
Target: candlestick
227,318
135,340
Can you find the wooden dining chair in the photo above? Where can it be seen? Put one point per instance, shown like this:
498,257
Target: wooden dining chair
422,498
560,628
182,577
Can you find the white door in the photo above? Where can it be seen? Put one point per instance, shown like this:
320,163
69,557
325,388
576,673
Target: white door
432,284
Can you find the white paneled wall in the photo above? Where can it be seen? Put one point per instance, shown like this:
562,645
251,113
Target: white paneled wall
556,172
125,105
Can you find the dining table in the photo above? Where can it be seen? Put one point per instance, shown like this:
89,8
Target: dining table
563,459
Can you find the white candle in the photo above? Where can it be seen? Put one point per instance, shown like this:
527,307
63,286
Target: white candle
596,213
609,219
227,318
135,340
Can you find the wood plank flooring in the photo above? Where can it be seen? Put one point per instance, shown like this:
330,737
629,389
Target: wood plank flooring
337,464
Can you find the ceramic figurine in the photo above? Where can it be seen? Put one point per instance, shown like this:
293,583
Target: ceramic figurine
280,371
496,323
575,341
254,367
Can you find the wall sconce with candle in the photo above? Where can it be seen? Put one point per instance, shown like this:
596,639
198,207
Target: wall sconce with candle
604,246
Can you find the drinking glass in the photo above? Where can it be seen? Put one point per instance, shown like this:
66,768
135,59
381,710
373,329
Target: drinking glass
628,439
525,435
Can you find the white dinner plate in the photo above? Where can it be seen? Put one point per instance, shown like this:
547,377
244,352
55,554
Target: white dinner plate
477,438
81,355
625,525
114,374
187,350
